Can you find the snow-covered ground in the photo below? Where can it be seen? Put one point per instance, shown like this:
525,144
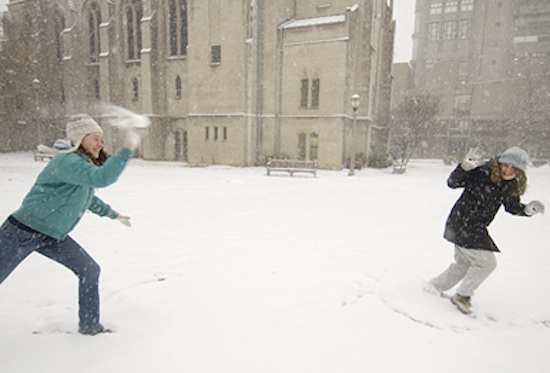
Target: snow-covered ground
228,270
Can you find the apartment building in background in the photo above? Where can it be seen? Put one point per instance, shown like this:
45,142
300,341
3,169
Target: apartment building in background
489,63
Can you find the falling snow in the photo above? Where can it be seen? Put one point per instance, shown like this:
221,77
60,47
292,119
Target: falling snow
229,270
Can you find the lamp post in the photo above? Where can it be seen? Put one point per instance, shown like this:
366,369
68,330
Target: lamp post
36,86
355,99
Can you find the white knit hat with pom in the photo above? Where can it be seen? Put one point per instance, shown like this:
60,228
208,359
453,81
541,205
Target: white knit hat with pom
78,127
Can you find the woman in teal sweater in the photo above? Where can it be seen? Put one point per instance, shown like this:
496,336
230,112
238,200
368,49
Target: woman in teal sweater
61,195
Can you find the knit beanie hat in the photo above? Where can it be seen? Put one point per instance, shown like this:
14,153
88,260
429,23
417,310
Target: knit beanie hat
78,127
515,157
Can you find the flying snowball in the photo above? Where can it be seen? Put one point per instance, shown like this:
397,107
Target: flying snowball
123,118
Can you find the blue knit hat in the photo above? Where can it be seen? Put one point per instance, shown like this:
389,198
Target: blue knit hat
515,157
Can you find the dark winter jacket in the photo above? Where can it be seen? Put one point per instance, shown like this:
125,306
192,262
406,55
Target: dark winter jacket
477,206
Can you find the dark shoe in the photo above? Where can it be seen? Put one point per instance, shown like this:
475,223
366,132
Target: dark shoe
463,303
93,330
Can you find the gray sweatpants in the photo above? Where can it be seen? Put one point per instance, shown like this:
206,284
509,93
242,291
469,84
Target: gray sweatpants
471,267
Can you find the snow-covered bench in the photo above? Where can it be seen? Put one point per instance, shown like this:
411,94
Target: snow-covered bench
44,153
399,167
291,166
42,156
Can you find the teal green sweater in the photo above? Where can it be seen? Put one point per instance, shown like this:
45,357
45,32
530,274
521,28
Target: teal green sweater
64,190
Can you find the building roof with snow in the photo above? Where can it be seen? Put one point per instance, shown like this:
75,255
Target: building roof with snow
316,21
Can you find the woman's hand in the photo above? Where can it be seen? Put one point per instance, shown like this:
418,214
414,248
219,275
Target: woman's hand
124,220
534,207
474,159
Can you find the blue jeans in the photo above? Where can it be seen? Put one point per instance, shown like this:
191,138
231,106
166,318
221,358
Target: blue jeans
18,241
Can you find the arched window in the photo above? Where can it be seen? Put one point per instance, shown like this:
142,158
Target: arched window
59,26
94,21
133,16
178,87
27,29
177,22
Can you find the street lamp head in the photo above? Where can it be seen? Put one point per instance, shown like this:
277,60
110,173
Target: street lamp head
355,99
36,84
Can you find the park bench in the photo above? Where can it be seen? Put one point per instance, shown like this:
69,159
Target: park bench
291,166
398,167
42,155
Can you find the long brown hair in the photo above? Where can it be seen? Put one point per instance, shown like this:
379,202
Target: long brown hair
99,161
520,184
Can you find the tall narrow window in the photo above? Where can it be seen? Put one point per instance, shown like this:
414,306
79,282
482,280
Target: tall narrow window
304,90
216,133
62,93
433,31
207,133
130,33
313,146
178,87
94,20
315,92
305,93
225,133
185,147
183,27
135,88
451,30
177,145
464,28
177,21
216,54
173,22
59,26
302,146
96,89
134,14
308,146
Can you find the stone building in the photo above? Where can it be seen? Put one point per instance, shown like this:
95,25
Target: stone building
223,82
489,63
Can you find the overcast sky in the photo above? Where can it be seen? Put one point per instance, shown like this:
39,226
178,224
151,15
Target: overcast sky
403,13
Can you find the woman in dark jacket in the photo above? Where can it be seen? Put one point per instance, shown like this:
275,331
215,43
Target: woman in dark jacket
487,185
